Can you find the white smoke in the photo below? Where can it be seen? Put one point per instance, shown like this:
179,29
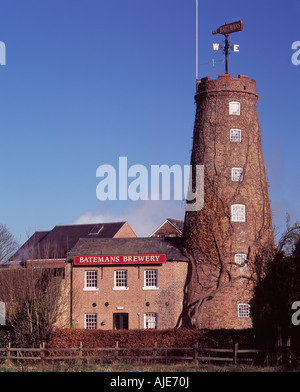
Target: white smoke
143,216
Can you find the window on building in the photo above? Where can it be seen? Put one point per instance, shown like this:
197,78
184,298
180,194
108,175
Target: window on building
238,213
235,135
96,230
237,174
240,258
234,108
150,320
150,279
121,280
243,310
91,280
90,321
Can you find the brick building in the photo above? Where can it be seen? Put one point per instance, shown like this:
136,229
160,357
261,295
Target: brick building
126,283
229,239
112,280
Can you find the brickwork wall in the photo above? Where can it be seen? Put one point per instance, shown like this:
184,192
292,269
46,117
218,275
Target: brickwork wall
168,230
166,301
125,232
63,320
213,149
222,311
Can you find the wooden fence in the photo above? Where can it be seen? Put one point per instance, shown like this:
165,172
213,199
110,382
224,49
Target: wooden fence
195,354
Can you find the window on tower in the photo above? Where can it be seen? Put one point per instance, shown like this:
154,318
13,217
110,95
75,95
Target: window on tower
243,310
240,259
235,135
237,174
238,213
235,108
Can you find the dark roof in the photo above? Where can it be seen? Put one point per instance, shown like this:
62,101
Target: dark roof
57,242
113,246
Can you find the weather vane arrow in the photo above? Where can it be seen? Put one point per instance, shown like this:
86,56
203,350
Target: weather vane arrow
227,29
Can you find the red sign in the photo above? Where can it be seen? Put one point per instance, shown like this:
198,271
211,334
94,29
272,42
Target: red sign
119,259
229,28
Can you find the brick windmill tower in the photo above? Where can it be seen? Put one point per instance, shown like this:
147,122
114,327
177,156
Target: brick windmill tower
230,238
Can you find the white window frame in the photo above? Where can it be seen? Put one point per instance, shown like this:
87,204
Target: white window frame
90,320
238,213
235,135
237,174
87,280
149,279
150,320
117,285
234,111
243,310
240,259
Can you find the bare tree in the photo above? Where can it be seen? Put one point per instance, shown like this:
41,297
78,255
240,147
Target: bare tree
8,245
289,238
35,294
33,300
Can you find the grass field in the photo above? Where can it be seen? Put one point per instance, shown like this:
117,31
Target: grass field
136,367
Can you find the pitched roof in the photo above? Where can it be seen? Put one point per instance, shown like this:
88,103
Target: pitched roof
114,246
58,241
177,224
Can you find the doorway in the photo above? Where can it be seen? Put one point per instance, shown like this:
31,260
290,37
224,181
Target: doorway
120,320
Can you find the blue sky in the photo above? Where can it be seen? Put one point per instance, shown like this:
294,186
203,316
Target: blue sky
89,81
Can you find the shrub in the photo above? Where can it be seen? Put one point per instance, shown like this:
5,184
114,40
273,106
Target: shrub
68,338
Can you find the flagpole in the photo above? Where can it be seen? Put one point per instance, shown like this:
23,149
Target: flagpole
197,23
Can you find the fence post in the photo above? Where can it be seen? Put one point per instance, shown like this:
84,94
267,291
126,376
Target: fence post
235,353
155,349
289,352
279,344
8,351
80,352
196,352
42,348
116,350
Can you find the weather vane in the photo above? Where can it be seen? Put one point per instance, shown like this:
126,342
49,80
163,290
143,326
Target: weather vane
227,29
